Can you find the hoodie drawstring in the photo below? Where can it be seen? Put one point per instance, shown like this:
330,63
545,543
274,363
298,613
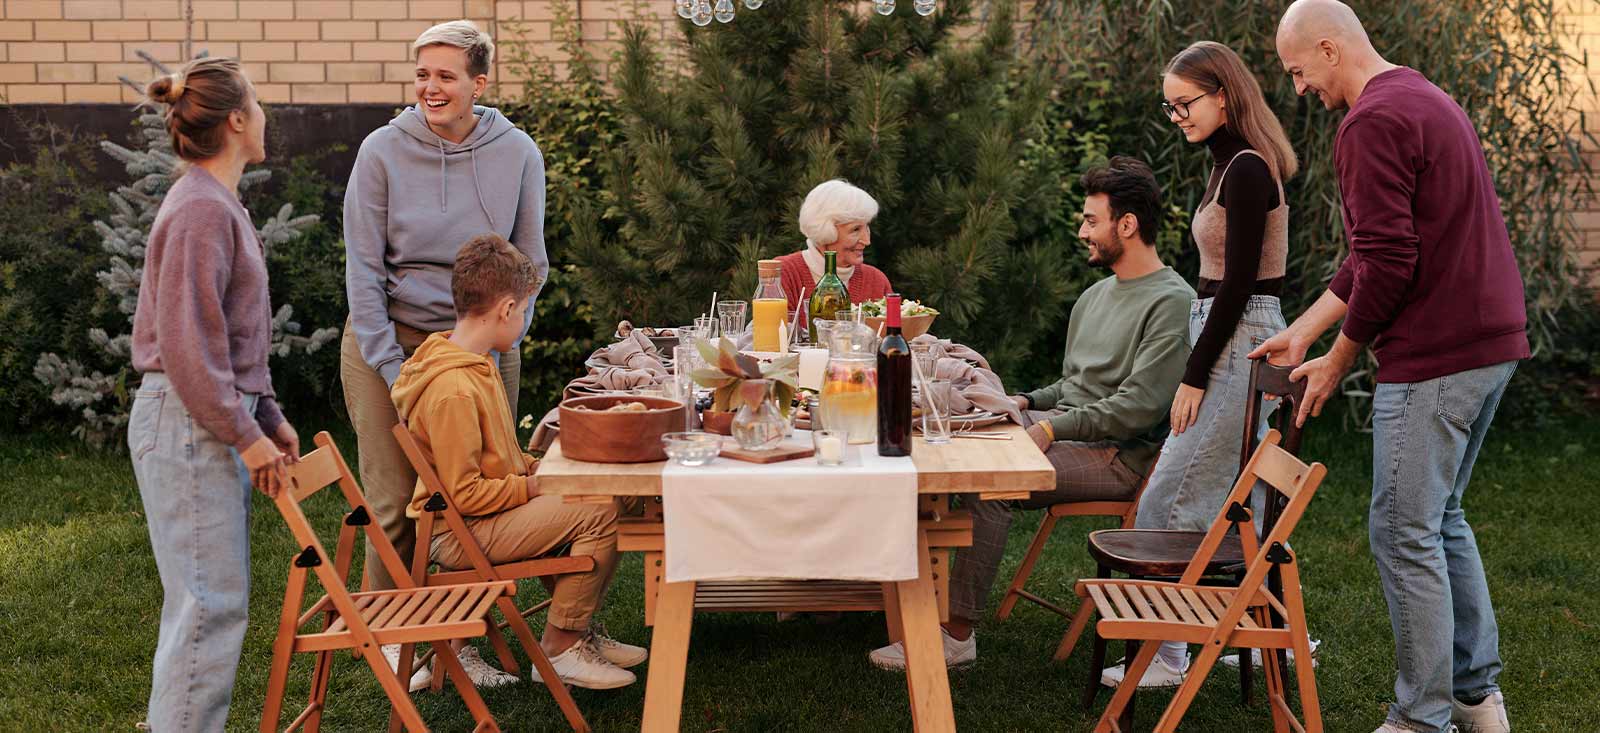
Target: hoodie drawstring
472,154
444,192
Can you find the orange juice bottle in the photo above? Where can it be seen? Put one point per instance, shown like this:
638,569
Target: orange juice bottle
769,306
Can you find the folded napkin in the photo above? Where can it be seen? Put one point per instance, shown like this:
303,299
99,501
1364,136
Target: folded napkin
547,431
612,379
634,351
942,348
974,387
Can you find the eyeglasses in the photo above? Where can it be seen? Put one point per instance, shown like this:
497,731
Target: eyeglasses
1181,108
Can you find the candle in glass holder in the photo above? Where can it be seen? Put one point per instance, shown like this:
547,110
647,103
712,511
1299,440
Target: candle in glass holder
829,445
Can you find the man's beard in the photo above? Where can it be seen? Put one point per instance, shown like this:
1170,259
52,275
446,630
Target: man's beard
1106,254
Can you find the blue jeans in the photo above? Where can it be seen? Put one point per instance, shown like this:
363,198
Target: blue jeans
196,495
1426,437
1197,468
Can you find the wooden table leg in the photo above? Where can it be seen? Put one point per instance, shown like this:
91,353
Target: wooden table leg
669,657
926,677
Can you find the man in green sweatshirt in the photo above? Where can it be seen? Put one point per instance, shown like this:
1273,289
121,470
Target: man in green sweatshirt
1102,424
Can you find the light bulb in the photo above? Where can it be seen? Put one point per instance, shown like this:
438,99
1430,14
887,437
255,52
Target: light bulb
702,13
884,7
924,7
724,11
685,8
753,4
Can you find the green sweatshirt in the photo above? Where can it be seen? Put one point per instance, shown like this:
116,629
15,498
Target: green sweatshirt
1127,344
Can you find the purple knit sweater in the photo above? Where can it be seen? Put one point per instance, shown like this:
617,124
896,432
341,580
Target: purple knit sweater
203,314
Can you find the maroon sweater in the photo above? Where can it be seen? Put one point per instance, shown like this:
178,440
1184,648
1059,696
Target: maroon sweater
1431,281
866,283
203,314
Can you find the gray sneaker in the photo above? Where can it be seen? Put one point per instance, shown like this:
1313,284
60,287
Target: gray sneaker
1488,716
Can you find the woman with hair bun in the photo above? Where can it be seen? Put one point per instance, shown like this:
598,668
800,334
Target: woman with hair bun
205,424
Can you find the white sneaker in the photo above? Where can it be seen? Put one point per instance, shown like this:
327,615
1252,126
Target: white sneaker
957,653
615,652
1158,675
583,666
482,674
1232,660
1392,728
1488,716
421,676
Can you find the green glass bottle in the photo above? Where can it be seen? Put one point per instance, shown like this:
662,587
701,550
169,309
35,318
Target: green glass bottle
830,296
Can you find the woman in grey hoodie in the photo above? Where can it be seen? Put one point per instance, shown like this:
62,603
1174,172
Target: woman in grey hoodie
443,171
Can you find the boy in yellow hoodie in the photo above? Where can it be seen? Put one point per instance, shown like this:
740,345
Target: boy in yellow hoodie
451,397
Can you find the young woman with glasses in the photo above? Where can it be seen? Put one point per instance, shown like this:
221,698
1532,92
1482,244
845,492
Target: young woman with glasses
1241,230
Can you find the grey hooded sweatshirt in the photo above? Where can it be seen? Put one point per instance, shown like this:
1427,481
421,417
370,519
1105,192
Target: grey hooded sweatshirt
413,199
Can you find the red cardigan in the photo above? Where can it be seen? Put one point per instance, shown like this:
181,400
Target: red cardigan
866,283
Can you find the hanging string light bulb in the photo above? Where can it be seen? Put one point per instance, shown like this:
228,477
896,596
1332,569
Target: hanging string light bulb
702,12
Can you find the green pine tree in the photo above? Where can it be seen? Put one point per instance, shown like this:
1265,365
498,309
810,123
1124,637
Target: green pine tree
726,129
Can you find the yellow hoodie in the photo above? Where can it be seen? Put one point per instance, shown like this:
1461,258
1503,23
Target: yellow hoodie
455,406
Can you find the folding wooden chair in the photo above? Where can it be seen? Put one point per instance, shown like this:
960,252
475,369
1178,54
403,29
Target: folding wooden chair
362,622
1165,553
1123,510
1217,617
441,505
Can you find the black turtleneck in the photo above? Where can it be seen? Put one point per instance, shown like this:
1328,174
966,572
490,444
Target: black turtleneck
1247,195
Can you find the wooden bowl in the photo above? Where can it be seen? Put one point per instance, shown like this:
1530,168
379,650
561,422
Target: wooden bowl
597,436
910,326
720,423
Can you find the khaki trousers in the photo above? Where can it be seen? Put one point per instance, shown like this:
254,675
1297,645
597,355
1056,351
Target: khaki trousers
386,475
538,528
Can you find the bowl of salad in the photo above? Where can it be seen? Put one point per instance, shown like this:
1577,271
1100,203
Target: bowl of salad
915,318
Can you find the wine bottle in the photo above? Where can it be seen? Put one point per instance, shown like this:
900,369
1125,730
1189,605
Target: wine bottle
830,296
894,385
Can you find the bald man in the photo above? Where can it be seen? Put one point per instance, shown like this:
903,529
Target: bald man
1432,285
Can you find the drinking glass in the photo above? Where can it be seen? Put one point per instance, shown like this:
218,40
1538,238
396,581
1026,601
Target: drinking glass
706,325
935,399
685,359
731,316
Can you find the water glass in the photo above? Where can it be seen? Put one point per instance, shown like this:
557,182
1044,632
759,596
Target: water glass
936,411
731,315
706,326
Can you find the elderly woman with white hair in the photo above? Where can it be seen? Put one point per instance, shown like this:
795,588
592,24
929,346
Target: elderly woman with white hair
835,217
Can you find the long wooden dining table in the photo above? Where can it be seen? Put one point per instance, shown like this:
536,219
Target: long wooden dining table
991,469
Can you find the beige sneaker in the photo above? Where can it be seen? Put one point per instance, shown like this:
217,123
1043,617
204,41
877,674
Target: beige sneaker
1488,716
582,666
421,676
957,653
615,652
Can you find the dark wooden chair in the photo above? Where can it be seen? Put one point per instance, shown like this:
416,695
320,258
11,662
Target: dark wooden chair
1159,553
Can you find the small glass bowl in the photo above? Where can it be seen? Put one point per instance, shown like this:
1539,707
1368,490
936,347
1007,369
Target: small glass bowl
692,449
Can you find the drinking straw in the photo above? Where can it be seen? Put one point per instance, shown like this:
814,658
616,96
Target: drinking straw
713,311
795,322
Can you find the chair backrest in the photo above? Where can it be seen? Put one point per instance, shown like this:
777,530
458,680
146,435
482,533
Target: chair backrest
314,472
1286,475
441,501
1267,378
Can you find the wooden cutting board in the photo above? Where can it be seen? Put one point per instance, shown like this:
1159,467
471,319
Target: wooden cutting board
786,451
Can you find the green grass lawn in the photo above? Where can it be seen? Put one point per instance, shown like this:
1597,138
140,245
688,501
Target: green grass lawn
80,600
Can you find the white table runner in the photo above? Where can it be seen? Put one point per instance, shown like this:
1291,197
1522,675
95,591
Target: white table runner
794,520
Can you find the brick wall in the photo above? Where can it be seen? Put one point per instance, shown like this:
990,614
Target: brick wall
1585,17
297,51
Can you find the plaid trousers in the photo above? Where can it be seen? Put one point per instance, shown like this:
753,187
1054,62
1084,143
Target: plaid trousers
1084,472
